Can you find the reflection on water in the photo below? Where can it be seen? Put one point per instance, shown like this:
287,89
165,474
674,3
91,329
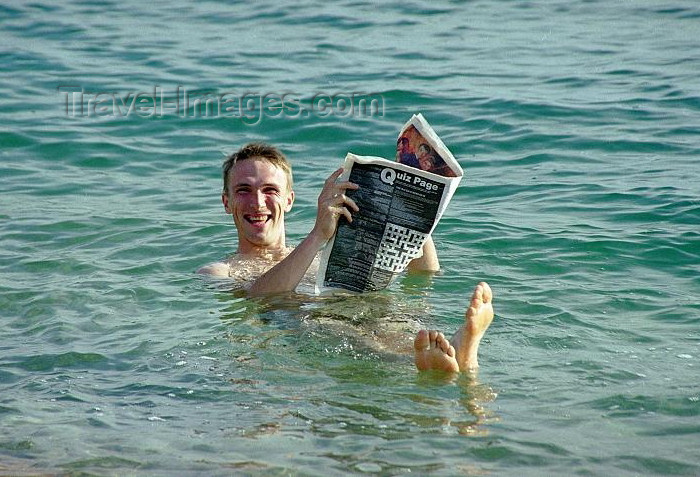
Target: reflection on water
358,342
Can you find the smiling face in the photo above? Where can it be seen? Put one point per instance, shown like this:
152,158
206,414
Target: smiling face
258,196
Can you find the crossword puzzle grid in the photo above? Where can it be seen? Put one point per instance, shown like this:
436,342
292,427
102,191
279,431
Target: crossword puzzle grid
399,245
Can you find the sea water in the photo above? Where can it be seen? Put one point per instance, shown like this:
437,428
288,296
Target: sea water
577,125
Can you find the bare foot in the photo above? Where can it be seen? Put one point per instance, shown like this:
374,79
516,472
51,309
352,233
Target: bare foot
434,351
479,316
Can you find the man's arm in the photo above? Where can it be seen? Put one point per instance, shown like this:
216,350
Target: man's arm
428,261
332,203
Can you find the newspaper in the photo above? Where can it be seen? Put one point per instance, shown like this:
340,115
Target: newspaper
400,203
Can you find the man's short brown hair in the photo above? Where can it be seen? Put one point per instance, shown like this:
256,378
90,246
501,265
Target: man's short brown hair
257,150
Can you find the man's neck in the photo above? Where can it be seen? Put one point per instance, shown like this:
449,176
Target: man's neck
276,253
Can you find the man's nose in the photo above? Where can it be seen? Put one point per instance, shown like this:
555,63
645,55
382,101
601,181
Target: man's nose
259,198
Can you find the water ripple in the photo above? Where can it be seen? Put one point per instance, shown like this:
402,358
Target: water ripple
580,206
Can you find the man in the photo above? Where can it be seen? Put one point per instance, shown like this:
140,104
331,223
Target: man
404,154
257,192
428,161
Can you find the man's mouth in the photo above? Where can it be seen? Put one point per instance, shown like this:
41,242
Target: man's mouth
257,218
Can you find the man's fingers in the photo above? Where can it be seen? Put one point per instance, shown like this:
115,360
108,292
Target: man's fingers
347,185
345,213
334,200
351,203
333,177
338,188
343,201
341,209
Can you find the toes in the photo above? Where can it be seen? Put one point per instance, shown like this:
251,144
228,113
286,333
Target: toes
487,294
433,338
444,345
434,351
422,341
440,342
482,294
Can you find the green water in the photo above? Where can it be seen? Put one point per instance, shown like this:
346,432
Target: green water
577,125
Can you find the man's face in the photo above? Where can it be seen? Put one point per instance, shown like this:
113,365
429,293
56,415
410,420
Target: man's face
401,145
424,158
258,198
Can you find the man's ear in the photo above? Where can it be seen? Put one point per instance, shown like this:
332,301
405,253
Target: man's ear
290,201
224,200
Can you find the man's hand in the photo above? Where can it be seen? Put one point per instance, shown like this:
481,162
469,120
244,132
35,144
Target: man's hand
332,203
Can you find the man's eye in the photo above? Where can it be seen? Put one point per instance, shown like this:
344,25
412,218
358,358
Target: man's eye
241,190
271,190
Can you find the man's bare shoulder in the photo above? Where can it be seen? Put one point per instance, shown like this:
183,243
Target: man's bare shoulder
240,267
217,269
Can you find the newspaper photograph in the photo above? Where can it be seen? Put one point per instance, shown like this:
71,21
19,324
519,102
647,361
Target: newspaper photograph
400,203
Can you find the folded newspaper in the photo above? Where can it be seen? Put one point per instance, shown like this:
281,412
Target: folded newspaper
400,204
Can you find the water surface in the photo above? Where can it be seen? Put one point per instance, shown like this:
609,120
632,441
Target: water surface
576,124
